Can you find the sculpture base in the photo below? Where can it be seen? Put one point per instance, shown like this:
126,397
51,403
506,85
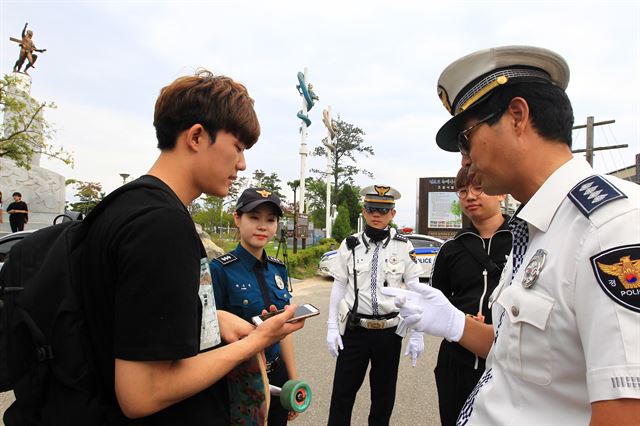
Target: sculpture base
42,190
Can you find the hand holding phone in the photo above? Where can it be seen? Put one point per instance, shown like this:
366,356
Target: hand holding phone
302,311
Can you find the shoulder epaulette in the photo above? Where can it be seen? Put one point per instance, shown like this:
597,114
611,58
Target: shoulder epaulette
399,237
226,258
593,193
275,260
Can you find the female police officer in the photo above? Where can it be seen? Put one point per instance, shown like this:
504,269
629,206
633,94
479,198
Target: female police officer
247,281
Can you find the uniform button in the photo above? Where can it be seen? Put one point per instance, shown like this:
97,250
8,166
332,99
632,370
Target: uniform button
245,302
515,311
285,296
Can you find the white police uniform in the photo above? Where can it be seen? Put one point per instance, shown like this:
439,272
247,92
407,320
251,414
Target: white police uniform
394,262
376,336
567,323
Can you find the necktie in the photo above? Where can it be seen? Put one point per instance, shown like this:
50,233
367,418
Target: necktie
520,232
374,280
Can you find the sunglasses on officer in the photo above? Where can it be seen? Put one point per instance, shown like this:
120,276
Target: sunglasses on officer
463,135
381,210
474,190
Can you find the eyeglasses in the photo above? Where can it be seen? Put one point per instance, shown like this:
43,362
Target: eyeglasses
463,135
463,193
381,210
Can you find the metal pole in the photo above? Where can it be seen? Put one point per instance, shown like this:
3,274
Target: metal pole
328,179
589,154
295,222
303,148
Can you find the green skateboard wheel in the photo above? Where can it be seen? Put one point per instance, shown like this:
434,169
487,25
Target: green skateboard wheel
295,396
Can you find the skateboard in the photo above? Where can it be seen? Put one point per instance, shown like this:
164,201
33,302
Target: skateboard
250,393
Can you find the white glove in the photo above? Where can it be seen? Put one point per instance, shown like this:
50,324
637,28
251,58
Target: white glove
334,341
426,309
415,347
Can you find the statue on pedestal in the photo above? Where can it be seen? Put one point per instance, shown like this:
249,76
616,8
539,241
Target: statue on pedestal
27,47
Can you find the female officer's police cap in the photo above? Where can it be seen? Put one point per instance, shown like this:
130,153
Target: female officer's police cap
253,197
471,79
381,196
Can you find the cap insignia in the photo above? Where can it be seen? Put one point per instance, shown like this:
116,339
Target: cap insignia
264,193
444,97
381,190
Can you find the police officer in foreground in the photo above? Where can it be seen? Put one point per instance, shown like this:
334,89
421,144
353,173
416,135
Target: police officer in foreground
363,324
246,281
564,347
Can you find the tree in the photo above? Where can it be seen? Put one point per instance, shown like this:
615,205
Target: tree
341,227
236,189
316,197
271,182
349,142
208,212
349,195
89,195
23,130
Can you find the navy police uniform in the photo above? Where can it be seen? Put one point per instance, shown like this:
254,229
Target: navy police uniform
237,286
244,286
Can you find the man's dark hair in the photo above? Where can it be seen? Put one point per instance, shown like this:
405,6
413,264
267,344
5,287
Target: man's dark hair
462,178
18,194
550,110
215,102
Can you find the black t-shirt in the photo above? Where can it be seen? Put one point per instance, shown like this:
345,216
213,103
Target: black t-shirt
147,268
17,205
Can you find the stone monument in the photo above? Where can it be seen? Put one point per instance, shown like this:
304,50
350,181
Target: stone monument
42,189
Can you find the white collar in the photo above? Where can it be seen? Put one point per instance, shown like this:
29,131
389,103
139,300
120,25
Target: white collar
541,208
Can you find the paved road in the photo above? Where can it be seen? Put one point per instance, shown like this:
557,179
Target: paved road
416,399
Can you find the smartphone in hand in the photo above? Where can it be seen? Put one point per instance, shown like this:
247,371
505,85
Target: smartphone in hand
302,311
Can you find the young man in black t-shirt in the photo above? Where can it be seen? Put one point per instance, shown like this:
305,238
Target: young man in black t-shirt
156,334
18,213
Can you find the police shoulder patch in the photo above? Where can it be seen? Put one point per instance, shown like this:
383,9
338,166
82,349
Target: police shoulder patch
226,258
275,260
617,270
593,193
399,237
413,257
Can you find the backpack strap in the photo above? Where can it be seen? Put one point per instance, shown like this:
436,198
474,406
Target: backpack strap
482,258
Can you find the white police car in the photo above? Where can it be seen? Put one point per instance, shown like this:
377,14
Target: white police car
326,262
426,248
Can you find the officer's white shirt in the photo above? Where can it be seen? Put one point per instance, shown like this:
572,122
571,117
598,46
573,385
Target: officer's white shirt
394,264
562,343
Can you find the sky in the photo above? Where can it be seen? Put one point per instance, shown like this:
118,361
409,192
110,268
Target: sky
376,63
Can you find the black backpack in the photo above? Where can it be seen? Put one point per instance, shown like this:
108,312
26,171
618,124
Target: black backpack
45,351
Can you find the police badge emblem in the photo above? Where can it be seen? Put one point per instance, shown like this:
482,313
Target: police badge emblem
617,270
279,282
532,271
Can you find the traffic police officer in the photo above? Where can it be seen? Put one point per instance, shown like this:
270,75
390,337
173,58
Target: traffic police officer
247,281
363,324
565,342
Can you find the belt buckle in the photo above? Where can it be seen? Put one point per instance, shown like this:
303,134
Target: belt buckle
376,324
